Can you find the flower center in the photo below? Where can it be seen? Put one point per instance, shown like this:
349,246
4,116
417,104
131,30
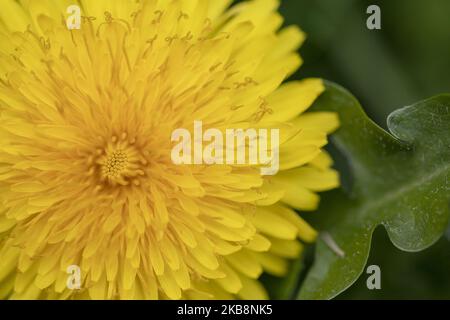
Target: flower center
115,164
121,162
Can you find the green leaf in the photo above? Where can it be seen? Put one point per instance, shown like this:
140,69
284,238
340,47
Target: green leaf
400,180
424,274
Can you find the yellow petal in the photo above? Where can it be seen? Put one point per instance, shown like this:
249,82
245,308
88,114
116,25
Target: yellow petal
268,221
245,263
292,99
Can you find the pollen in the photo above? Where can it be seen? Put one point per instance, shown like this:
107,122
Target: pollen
115,164
121,162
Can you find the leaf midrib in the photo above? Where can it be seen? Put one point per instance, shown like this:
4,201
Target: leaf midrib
387,197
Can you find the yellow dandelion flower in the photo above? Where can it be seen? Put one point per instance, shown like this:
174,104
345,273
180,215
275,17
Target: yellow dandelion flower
86,176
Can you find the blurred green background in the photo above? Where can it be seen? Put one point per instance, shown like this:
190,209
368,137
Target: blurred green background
406,61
